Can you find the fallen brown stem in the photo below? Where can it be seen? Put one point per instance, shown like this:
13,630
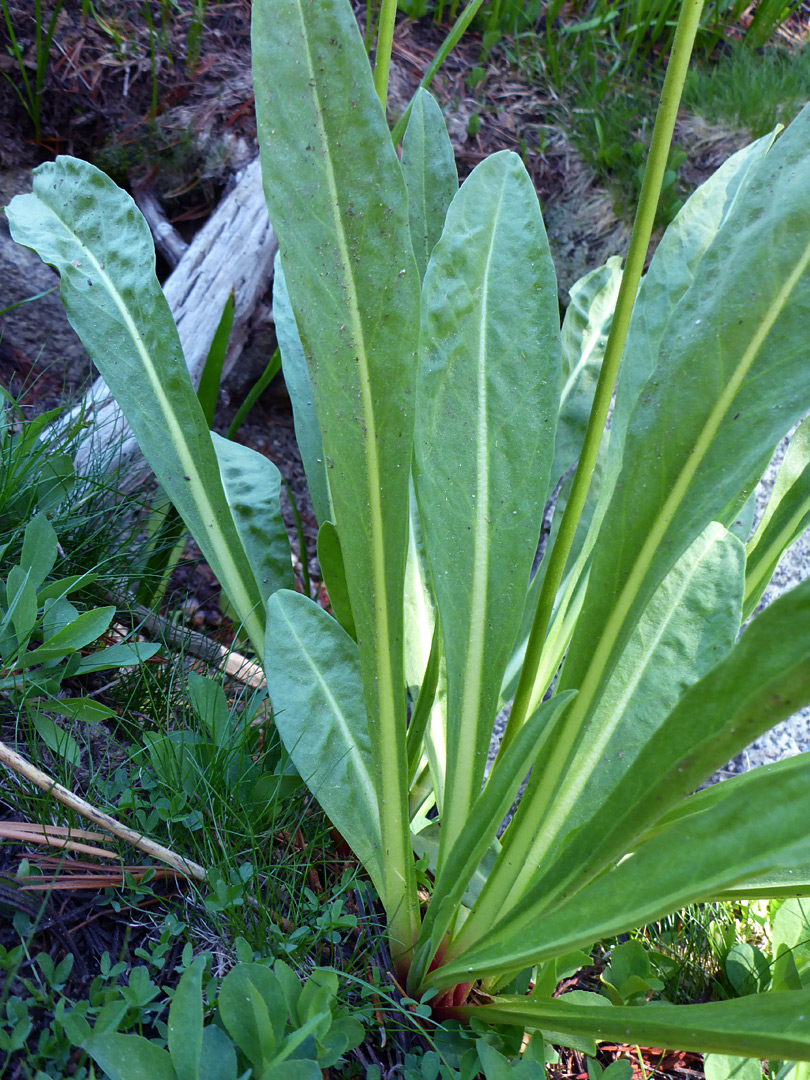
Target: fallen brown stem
18,764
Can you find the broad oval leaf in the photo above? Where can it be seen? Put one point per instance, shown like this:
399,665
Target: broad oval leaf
314,681
79,222
129,1057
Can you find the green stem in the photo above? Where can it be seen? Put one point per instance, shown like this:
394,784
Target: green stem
688,22
255,392
447,46
385,39
424,703
302,540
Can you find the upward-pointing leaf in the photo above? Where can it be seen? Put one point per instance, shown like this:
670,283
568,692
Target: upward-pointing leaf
78,221
749,831
668,651
299,387
354,287
584,336
429,167
697,436
490,351
252,484
313,677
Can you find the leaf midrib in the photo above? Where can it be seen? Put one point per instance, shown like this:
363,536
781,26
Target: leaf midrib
563,804
383,645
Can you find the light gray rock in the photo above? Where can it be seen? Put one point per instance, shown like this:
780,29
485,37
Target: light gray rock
792,736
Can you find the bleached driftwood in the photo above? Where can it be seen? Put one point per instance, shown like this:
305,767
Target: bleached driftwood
233,251
168,240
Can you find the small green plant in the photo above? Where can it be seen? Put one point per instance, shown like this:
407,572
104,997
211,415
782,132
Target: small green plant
266,1021
628,978
44,639
30,93
41,1024
218,756
439,403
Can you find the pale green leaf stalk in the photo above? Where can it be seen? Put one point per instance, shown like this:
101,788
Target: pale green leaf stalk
385,40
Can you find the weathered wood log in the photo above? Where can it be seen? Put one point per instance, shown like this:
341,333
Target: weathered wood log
233,252
168,240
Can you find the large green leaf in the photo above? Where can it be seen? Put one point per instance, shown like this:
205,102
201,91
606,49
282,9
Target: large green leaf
299,387
729,381
339,205
690,623
429,168
313,678
79,222
790,878
252,484
790,928
671,274
185,1034
786,517
490,351
766,1025
130,1057
746,833
584,335
39,549
764,679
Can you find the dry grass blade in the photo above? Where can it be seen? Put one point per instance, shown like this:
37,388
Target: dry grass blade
73,874
24,768
27,833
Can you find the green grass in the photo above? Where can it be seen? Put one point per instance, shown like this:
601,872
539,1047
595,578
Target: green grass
752,90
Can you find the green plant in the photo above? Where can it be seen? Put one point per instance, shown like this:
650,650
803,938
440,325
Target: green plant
44,638
267,1021
217,759
30,94
40,1023
195,33
477,406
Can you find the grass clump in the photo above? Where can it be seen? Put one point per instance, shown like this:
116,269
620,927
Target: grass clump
752,90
